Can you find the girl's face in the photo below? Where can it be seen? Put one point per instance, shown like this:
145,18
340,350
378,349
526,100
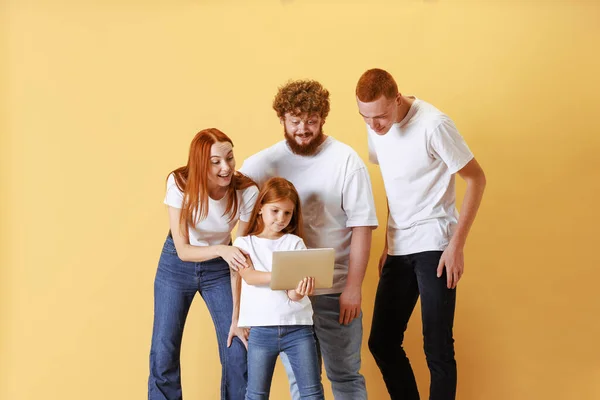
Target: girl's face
222,165
276,216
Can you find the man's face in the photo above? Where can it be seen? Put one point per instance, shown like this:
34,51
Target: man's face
303,132
380,114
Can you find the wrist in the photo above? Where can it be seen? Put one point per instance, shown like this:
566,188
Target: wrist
353,287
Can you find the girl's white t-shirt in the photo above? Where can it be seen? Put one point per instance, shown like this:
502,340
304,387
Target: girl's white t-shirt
261,306
216,228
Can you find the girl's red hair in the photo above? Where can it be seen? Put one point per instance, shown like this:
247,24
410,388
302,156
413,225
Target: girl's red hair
192,180
276,189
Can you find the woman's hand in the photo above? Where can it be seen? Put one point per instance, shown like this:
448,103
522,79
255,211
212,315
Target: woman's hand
241,333
233,256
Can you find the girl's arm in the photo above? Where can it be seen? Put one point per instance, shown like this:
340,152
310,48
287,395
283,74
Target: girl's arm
187,252
254,277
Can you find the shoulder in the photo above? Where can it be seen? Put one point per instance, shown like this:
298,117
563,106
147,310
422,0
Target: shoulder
242,242
266,154
345,153
248,192
431,118
291,241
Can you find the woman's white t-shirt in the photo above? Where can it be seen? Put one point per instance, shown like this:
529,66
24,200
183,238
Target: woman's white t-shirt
216,228
261,306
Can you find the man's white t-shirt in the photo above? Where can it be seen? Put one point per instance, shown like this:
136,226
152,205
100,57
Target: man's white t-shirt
216,228
261,306
335,192
418,158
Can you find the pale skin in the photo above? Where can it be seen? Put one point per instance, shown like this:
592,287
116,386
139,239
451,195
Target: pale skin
304,129
222,167
276,217
380,115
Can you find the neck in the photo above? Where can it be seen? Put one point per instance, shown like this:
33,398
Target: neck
404,107
270,235
217,192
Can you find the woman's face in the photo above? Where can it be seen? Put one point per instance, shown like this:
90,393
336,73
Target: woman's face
221,165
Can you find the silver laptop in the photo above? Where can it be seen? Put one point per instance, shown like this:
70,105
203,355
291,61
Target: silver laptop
290,267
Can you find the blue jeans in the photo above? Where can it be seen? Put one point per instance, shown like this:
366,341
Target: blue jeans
175,286
403,279
339,346
298,342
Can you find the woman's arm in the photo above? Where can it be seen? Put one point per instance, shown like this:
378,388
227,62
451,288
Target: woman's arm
187,252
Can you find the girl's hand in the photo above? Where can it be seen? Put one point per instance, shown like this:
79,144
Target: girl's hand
306,286
241,333
233,256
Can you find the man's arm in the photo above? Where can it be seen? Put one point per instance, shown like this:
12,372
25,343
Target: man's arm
453,257
351,297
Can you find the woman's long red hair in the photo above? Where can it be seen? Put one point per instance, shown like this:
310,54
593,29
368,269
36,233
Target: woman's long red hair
276,189
192,180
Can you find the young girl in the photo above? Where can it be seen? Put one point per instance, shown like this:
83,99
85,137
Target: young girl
206,198
280,320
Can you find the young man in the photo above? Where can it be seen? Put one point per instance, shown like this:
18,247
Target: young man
419,151
338,211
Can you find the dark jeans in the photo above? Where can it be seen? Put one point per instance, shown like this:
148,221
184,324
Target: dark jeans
175,286
402,280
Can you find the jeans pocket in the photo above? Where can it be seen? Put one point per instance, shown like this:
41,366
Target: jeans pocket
169,246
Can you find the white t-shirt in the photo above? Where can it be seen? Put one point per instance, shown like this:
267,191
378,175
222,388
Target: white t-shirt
335,192
216,228
418,158
261,306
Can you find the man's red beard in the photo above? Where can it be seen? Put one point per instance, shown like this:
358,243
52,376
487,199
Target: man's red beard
304,150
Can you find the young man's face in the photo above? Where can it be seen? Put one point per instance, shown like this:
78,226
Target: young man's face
303,132
380,114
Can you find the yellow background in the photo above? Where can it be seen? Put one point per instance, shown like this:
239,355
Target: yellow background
100,100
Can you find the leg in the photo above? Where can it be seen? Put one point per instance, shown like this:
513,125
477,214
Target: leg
215,288
289,371
298,343
263,349
340,347
174,290
397,294
437,309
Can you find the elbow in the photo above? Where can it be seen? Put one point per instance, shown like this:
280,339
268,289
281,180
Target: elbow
183,255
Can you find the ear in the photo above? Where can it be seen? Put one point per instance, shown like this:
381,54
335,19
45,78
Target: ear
281,121
399,99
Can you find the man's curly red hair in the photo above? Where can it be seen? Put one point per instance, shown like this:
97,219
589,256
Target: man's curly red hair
302,96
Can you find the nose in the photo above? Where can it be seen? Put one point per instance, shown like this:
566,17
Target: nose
302,127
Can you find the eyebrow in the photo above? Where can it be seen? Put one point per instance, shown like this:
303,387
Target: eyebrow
377,116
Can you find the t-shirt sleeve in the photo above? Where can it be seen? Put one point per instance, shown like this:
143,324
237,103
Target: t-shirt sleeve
372,153
248,200
241,242
254,168
357,198
174,196
299,245
449,146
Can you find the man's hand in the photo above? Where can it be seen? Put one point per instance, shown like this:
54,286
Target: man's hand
242,333
453,259
350,300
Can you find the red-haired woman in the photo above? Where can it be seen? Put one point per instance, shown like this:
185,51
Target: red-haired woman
206,198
